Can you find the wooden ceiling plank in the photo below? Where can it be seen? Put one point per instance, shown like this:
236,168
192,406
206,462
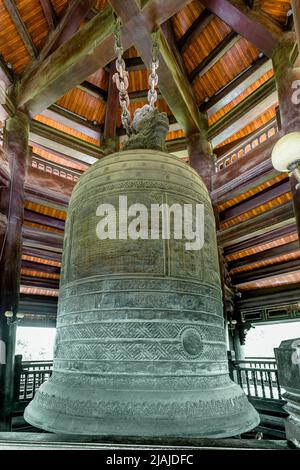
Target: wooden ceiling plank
15,16
65,144
93,90
252,24
246,111
238,86
72,120
195,30
49,13
216,54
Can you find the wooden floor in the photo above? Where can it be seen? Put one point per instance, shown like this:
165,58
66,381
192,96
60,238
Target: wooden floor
34,441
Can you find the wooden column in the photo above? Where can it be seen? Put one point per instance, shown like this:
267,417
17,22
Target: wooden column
201,158
16,148
286,76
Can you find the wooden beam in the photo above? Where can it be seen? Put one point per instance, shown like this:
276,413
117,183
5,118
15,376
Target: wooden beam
15,16
93,90
252,24
55,140
42,219
255,201
68,25
91,48
237,86
195,30
265,255
261,239
134,64
88,50
266,272
34,237
281,295
47,188
246,111
74,121
49,13
41,253
277,217
216,54
172,83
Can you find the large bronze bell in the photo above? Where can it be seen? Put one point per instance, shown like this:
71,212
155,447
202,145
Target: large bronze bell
140,347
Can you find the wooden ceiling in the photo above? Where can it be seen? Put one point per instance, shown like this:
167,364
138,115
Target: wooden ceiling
230,78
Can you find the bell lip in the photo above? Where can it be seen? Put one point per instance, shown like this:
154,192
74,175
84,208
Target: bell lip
252,422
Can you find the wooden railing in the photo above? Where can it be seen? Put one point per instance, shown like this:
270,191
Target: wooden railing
55,169
246,146
258,377
29,376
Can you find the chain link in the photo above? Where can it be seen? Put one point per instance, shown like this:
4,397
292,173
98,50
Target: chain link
153,77
121,79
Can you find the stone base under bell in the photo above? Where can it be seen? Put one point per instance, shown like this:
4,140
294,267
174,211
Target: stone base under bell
215,413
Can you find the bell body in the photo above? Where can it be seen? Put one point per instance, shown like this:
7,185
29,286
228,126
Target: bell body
140,347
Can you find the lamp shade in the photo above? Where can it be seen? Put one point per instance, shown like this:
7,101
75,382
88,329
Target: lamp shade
286,151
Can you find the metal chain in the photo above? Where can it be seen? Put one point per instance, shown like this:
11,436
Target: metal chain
153,77
121,80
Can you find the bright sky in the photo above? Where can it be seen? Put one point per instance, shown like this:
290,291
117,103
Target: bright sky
37,343
262,339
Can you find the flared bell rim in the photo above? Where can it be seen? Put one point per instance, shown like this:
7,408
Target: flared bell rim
214,413
150,428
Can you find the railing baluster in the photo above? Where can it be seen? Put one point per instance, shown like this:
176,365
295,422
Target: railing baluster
262,384
270,384
248,383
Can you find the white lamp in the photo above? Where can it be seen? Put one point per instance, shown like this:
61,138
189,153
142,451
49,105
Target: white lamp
286,155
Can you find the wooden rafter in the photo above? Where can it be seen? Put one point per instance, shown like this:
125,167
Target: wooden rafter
252,24
68,25
49,13
195,30
12,9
